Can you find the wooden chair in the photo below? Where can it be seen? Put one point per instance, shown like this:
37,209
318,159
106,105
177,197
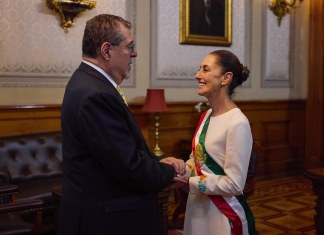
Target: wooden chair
252,171
11,210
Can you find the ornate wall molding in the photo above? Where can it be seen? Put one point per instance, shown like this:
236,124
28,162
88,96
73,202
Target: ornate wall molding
36,52
277,62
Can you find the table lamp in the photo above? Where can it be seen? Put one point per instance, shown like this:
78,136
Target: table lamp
155,103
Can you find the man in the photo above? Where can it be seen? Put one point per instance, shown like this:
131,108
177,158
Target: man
110,177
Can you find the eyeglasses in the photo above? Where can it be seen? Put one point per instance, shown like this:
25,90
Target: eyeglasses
130,47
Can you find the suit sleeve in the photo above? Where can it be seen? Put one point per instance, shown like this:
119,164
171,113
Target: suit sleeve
116,142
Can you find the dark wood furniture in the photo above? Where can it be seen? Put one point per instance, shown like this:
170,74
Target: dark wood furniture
12,211
33,163
317,177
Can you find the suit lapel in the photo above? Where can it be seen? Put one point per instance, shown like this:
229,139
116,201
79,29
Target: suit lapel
95,73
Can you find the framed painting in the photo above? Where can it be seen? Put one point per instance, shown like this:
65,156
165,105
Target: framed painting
206,22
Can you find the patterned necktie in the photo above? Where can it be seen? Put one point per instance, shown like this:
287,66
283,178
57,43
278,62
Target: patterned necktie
122,94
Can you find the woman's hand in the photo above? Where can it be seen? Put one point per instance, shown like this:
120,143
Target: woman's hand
181,178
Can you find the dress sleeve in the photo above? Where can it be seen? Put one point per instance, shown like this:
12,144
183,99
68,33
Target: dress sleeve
190,167
237,155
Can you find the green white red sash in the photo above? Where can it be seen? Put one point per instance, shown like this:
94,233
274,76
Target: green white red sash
220,202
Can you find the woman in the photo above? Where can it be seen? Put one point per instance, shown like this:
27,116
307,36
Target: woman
221,148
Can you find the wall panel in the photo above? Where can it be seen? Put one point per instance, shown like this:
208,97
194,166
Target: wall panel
315,101
278,127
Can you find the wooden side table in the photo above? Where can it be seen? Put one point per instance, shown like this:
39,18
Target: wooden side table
317,177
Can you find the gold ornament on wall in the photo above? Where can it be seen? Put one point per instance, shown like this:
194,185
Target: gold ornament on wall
69,9
282,7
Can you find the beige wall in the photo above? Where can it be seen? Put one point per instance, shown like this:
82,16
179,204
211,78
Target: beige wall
11,95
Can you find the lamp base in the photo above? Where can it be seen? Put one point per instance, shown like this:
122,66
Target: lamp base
158,152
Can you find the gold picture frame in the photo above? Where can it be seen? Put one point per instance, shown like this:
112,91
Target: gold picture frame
202,24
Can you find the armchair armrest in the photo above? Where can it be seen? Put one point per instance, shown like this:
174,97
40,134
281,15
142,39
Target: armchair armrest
11,210
4,178
14,205
8,193
8,189
21,205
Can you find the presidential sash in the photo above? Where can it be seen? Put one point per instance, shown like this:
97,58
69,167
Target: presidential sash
201,157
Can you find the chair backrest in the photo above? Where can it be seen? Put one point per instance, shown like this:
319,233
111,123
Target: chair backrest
252,171
27,157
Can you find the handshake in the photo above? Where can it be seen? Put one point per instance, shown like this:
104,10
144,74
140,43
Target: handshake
185,176
184,171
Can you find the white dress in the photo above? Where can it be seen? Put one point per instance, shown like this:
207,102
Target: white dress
228,142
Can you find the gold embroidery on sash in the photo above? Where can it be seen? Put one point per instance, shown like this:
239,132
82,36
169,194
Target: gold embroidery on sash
200,157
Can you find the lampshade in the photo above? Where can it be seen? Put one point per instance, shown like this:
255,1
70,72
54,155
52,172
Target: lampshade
155,101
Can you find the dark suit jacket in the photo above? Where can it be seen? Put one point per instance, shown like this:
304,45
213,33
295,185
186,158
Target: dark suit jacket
110,177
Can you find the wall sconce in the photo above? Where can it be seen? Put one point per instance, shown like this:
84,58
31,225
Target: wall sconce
69,9
282,7
155,103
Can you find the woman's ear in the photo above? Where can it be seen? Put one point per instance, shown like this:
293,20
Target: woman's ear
227,78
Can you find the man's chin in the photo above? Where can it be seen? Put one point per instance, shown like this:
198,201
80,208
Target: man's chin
127,76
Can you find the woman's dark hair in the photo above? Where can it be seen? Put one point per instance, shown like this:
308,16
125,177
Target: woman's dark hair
102,28
230,63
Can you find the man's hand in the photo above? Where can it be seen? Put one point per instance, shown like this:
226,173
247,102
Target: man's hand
178,164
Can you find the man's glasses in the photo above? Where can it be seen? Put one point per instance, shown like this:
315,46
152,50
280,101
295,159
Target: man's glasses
130,47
